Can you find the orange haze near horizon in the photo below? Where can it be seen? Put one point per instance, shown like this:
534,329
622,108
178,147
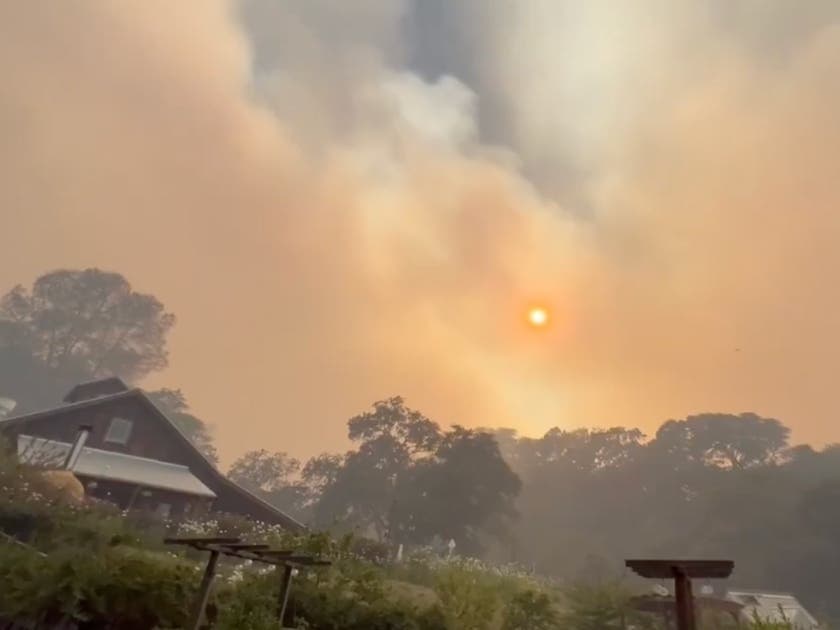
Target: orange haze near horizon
338,227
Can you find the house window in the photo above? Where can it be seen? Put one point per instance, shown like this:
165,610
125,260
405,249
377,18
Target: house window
119,431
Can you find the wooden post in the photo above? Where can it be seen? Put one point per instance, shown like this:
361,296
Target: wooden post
285,588
685,601
204,590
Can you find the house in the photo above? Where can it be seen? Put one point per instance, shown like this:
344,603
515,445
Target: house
773,607
132,455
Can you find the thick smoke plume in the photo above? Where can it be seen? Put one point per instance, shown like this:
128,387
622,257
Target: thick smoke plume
345,201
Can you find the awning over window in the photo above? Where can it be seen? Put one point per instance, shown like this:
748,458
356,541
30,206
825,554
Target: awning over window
111,466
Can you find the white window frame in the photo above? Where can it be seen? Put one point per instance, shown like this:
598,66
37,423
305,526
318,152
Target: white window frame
119,431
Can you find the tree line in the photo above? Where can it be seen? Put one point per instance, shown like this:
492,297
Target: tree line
572,503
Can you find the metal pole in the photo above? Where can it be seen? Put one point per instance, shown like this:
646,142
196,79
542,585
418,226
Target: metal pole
204,590
285,589
685,601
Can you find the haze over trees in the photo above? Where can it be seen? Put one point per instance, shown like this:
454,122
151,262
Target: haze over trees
571,503
174,404
73,326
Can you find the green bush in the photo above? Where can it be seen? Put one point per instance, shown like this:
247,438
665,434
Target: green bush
252,603
468,599
340,598
600,606
353,595
530,610
118,588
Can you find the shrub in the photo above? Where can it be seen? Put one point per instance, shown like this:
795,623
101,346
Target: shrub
340,598
468,599
118,588
596,606
530,610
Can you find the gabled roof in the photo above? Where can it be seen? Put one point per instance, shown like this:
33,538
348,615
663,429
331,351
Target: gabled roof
95,389
207,470
98,464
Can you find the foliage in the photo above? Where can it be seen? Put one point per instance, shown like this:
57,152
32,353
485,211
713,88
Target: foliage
711,485
173,403
464,489
251,603
723,440
468,599
363,490
76,325
272,476
530,610
596,606
354,595
93,577
116,587
409,481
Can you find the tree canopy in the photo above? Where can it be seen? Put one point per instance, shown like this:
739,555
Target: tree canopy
409,481
275,477
76,325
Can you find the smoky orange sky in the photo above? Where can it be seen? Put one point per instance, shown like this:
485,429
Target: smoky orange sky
344,201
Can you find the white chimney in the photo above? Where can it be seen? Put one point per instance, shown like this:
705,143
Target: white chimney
7,405
78,445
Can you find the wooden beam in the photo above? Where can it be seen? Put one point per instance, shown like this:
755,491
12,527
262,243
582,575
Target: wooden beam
205,540
665,569
245,546
204,590
285,589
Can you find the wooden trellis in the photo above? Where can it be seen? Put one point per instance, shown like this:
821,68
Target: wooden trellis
256,552
682,572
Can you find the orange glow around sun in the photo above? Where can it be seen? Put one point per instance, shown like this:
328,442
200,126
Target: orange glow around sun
538,317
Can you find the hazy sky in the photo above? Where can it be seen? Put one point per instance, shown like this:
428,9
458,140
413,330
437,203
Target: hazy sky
343,201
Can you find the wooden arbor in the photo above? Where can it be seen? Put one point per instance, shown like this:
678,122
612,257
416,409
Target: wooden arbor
682,572
235,547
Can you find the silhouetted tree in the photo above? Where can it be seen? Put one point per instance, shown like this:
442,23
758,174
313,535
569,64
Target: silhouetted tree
76,325
408,481
272,476
173,403
458,492
723,440
363,491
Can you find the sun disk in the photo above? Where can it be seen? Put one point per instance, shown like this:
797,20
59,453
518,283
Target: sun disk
538,317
